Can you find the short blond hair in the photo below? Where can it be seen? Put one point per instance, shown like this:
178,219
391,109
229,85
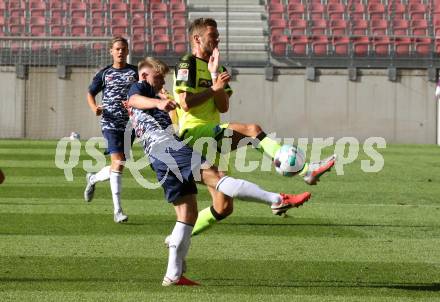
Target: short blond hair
155,64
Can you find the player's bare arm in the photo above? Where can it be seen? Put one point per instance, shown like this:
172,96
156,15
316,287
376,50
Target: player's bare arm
97,109
142,102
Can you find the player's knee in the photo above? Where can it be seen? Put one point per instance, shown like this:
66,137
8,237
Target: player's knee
254,129
220,174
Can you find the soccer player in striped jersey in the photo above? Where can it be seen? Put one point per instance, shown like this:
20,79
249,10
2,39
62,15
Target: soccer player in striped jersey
178,167
113,81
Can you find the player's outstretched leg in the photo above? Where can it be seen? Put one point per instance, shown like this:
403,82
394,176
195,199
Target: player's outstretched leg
92,179
313,171
244,190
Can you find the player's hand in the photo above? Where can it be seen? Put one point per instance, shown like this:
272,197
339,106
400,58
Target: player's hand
166,105
222,80
98,110
213,61
125,104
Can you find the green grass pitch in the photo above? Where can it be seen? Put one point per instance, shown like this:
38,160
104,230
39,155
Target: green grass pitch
362,236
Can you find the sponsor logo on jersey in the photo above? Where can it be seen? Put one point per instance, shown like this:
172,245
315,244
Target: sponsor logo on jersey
184,65
182,75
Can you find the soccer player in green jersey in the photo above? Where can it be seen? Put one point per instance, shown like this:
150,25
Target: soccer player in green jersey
201,88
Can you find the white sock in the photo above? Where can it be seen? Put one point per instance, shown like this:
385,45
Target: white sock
116,187
245,190
180,241
102,175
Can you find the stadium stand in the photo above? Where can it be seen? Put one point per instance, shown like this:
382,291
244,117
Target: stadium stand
134,19
357,27
257,29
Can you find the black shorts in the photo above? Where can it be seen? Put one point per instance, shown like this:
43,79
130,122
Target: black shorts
175,170
115,141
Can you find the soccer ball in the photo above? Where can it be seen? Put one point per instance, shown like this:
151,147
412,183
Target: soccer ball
74,136
289,160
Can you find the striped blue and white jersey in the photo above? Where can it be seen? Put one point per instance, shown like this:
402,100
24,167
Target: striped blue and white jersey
114,84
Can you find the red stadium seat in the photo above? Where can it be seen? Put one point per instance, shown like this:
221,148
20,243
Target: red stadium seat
275,17
138,26
137,10
319,45
178,26
402,46
177,9
17,26
340,45
160,27
17,12
119,27
359,27
379,27
357,11
318,27
140,43
295,11
381,45
376,11
360,45
158,10
398,9
338,27
161,44
279,45
17,4
57,9
299,45
419,27
336,11
98,10
276,9
400,27
37,26
316,11
298,26
57,30
277,27
417,11
78,27
423,46
78,9
3,8
37,8
179,44
118,10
